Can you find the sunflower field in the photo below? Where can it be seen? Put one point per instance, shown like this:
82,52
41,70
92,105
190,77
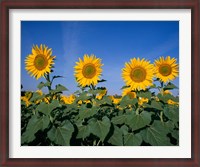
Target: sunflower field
139,116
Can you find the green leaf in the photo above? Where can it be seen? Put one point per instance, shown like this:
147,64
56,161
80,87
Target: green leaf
57,76
172,113
175,134
154,104
139,121
85,112
147,95
83,96
124,129
47,108
119,119
47,83
34,125
156,134
106,100
126,100
40,85
100,128
60,88
36,97
83,131
94,92
102,80
170,86
116,138
166,97
124,87
62,134
132,140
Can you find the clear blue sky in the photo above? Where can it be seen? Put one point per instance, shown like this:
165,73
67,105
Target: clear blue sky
115,42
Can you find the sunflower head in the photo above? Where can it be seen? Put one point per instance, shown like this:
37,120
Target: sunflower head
68,99
115,100
166,69
138,74
102,93
88,70
40,61
25,100
172,102
39,92
142,100
129,92
167,92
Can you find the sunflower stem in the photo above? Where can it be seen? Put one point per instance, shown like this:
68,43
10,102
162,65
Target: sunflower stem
137,111
161,89
161,116
98,142
47,77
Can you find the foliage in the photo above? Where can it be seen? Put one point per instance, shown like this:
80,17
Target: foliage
89,121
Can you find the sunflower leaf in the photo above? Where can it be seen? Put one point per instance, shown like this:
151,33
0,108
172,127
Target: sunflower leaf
154,104
124,87
126,100
57,76
119,119
116,138
34,125
170,86
137,121
144,94
100,128
62,134
156,134
60,88
167,97
47,83
132,140
83,131
102,80
172,113
40,85
47,108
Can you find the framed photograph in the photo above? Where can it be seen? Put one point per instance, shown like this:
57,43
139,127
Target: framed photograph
100,83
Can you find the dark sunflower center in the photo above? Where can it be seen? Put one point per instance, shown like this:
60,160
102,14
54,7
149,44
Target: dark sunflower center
165,70
40,62
138,74
89,71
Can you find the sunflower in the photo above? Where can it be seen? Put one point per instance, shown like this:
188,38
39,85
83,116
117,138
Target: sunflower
166,69
68,99
167,92
40,61
129,92
102,93
172,102
48,99
142,100
138,74
39,92
27,98
88,70
115,100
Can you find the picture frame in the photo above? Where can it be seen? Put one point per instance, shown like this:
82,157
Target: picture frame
89,4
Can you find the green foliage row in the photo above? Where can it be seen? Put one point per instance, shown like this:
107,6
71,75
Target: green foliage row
95,122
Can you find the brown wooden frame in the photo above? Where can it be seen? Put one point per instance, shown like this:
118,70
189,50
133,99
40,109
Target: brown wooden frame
98,4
